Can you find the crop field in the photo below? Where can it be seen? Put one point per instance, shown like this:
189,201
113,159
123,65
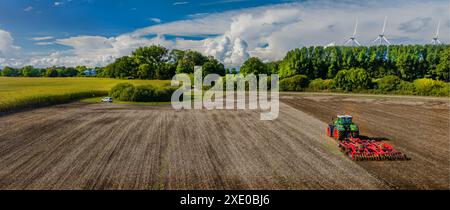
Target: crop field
17,93
116,146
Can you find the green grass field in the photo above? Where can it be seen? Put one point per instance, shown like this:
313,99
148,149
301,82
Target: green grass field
22,93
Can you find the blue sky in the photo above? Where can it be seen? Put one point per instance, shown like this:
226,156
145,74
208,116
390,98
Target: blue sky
95,32
64,18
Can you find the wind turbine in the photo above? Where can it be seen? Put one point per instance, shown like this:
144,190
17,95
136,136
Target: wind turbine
382,37
436,37
352,41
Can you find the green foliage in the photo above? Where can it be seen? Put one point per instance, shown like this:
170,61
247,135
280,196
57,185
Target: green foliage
212,66
353,79
123,67
123,92
29,71
428,87
68,72
254,66
409,62
295,83
388,83
51,72
273,67
443,68
320,84
142,93
185,66
157,62
150,55
406,88
10,72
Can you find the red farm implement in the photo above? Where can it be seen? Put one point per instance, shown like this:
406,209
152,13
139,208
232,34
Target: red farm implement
358,149
362,150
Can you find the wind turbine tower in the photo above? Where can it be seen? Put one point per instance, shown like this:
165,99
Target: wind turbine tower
382,37
353,41
436,37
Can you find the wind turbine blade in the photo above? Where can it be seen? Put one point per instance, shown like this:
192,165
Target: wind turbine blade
439,26
356,28
378,38
357,43
384,25
439,41
387,41
346,43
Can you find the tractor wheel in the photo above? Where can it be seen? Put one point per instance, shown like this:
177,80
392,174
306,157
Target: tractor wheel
330,130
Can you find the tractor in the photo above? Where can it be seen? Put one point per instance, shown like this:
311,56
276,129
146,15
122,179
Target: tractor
347,133
343,128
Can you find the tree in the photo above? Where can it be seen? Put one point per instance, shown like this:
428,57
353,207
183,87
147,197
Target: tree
10,72
195,57
273,67
254,66
69,72
185,66
148,55
145,71
213,66
353,79
81,70
165,71
443,68
29,71
123,67
51,72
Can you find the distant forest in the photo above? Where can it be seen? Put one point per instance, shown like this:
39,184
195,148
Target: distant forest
408,62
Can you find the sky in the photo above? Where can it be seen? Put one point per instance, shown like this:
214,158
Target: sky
95,32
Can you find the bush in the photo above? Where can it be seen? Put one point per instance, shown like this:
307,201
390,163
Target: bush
406,88
295,83
143,93
320,84
123,92
388,83
353,79
428,87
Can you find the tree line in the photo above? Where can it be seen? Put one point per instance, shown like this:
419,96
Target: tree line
157,62
409,62
30,71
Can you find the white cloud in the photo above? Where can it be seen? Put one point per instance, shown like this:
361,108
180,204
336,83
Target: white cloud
156,20
44,43
267,32
7,48
43,38
28,9
180,3
58,3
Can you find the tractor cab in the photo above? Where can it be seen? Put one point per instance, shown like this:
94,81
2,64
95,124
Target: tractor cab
345,120
343,127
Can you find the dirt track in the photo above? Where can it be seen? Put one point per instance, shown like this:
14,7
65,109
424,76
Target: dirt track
100,146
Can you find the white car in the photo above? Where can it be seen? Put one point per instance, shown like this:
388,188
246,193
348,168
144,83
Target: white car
107,99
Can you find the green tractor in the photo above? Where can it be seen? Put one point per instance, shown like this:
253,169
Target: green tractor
342,128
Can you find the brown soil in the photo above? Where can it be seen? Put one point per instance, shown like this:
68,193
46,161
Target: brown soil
105,146
418,127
